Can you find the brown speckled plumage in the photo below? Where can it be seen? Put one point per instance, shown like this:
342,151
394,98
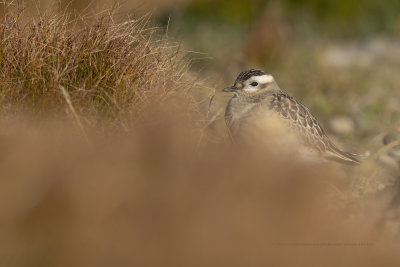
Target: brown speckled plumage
270,98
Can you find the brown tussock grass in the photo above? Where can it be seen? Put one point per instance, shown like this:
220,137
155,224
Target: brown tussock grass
109,69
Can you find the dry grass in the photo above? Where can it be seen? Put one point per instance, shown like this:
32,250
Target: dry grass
108,69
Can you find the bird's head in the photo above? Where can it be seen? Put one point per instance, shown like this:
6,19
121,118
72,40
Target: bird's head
251,82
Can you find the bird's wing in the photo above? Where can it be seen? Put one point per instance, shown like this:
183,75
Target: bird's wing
303,123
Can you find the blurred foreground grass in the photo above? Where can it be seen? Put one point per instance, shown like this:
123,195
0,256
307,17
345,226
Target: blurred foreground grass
150,197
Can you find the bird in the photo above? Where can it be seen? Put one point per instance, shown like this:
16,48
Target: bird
258,99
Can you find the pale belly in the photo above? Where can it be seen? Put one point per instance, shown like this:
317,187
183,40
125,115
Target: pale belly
267,129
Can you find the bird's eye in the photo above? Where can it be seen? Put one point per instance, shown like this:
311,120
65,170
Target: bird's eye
254,84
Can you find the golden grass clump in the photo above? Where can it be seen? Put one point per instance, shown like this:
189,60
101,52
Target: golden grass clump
106,68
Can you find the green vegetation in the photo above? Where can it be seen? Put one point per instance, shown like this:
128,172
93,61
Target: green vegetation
333,17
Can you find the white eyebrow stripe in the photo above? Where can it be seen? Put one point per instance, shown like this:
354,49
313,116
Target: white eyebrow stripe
263,79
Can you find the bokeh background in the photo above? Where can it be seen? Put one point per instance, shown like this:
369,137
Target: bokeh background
340,58
114,150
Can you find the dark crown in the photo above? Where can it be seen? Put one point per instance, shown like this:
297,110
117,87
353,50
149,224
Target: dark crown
245,75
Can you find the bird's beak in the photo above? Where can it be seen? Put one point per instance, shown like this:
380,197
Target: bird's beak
230,89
